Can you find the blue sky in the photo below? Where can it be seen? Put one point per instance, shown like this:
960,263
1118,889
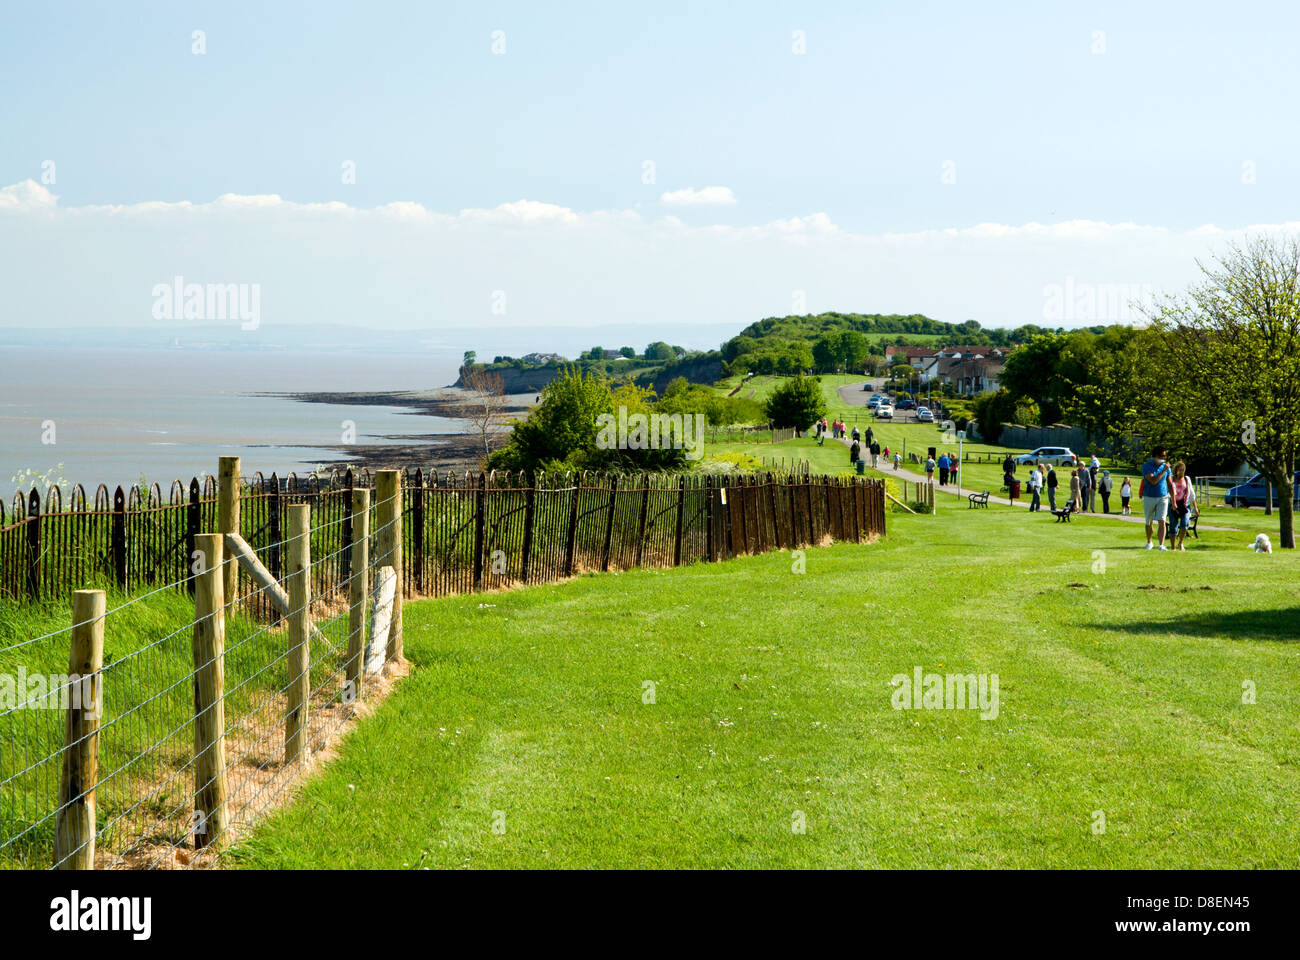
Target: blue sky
1168,116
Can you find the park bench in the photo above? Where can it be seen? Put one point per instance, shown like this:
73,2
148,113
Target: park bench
978,499
1064,515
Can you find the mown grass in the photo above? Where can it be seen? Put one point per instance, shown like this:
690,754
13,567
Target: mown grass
1121,694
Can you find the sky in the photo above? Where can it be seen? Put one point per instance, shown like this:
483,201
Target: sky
476,165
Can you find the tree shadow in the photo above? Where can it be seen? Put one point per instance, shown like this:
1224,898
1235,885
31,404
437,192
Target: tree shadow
1281,625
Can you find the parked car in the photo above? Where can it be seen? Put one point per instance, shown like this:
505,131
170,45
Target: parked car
885,411
866,387
1251,493
876,400
906,404
1057,456
923,415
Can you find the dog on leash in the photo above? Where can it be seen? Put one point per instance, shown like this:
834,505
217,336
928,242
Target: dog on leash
1262,544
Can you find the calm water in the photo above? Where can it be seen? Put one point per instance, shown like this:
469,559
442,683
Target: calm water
165,414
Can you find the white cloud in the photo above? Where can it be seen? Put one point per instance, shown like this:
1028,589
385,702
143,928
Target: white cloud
708,197
404,265
27,195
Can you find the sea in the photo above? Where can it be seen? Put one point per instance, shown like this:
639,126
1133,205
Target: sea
117,416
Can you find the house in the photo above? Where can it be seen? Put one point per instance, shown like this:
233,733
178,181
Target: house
969,369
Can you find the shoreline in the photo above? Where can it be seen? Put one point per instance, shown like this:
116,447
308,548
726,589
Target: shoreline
441,452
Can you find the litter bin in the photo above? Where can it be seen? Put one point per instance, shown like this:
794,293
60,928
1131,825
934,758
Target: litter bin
862,466
1015,489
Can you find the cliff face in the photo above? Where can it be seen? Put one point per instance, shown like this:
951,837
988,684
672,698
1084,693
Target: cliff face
522,381
701,370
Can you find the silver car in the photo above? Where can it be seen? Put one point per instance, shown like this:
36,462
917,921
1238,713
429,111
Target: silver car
1057,456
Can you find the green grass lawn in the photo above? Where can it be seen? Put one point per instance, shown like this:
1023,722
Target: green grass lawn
522,738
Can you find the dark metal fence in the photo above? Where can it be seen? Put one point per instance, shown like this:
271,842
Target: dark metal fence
460,532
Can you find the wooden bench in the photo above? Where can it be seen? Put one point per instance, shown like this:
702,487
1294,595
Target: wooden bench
978,499
1064,515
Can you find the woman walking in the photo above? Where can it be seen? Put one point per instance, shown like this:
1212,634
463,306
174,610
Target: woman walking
1075,492
1182,504
1103,487
1125,494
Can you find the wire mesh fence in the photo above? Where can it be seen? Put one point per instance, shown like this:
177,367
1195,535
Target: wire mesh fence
112,752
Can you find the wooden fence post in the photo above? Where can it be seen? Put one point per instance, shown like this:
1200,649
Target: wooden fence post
530,517
681,515
209,648
228,479
645,511
74,830
299,589
34,545
776,514
388,546
358,590
609,523
480,528
571,546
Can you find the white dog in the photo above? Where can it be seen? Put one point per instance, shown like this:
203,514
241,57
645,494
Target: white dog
1261,544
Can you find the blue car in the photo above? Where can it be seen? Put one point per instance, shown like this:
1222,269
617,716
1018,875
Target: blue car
1251,493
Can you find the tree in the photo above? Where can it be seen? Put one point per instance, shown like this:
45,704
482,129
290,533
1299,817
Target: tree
1032,370
826,353
596,353
470,358
628,352
484,405
1228,355
658,352
796,403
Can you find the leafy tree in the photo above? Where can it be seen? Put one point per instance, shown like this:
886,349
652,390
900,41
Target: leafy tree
826,353
1228,358
658,352
797,403
628,352
1033,370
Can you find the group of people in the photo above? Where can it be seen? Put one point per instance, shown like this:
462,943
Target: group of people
872,447
1168,500
837,429
947,465
1167,494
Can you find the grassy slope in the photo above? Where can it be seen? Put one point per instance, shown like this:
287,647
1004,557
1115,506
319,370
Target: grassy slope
1120,692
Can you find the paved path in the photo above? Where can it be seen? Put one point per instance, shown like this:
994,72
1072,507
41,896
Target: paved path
953,491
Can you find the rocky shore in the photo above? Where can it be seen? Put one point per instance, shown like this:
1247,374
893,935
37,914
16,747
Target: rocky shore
456,452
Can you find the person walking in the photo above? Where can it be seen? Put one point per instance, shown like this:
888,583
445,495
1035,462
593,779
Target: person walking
1085,490
944,464
870,435
898,458
875,452
1035,485
1093,467
929,468
1125,494
856,434
1155,496
1052,483
1009,466
1104,488
855,451
1183,504
1075,488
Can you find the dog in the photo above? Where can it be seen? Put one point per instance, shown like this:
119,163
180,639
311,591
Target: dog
1262,544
